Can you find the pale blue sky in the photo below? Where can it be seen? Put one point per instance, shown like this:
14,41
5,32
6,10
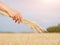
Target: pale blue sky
45,12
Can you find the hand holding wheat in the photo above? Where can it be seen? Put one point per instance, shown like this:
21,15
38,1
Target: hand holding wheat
33,25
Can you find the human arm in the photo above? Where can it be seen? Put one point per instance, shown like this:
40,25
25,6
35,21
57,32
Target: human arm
15,15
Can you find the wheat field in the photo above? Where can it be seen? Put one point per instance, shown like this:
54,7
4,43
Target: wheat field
29,38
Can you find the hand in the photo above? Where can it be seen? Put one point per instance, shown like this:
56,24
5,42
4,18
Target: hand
15,15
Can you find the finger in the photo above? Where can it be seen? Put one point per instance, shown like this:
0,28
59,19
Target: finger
18,19
13,18
15,21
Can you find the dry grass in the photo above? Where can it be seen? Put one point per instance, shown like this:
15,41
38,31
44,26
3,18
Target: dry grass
29,38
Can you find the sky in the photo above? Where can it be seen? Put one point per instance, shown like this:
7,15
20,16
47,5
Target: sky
45,12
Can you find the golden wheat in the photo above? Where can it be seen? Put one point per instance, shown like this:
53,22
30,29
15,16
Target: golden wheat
29,39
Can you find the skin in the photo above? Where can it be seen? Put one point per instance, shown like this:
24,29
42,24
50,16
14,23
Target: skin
15,15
